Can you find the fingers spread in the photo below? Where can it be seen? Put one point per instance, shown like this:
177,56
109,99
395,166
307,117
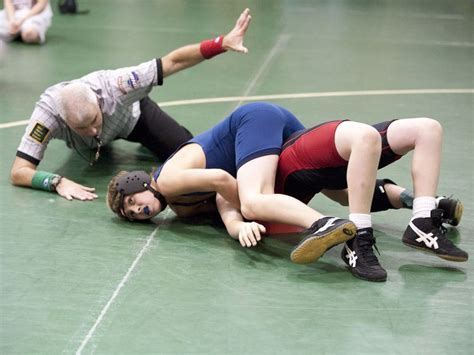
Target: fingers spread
255,231
244,240
85,195
249,234
78,194
90,189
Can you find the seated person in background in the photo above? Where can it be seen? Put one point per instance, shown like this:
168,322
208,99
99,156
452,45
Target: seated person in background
25,19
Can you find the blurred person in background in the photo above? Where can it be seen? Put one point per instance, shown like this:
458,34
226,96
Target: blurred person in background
27,20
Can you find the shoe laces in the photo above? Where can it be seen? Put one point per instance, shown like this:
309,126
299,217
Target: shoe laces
441,230
438,224
365,244
442,238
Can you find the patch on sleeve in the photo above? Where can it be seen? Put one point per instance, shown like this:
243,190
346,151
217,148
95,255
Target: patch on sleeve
126,85
120,85
134,80
39,132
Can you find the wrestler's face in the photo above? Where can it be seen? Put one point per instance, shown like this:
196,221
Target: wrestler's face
140,206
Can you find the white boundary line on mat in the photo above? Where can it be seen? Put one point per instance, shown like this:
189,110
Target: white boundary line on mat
124,280
306,95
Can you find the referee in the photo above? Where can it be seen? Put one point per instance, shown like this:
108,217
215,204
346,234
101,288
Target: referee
105,105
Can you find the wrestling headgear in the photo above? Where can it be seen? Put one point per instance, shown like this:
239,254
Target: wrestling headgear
137,181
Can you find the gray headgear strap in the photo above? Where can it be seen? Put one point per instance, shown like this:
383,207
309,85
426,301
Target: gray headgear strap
137,181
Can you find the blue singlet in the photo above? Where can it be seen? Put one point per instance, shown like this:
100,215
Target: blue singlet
251,131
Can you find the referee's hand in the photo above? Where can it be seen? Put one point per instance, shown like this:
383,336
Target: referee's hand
234,40
71,190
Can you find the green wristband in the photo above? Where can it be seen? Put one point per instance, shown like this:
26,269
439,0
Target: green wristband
42,180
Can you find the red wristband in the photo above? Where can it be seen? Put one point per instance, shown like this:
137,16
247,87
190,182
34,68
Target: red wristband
212,47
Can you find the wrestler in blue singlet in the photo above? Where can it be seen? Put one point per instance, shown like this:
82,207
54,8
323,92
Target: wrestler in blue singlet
251,131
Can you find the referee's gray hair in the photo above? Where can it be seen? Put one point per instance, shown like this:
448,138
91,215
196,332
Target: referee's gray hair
75,102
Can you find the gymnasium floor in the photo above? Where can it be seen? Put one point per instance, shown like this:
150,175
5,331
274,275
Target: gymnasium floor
75,279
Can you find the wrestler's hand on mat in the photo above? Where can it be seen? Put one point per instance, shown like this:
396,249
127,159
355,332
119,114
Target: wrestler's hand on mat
71,190
234,40
250,233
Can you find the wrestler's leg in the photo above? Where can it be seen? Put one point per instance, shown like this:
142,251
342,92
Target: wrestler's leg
359,144
424,136
256,181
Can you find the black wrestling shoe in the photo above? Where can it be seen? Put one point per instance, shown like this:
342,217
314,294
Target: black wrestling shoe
452,210
325,233
360,258
429,235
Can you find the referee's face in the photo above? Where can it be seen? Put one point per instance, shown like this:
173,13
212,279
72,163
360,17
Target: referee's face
91,123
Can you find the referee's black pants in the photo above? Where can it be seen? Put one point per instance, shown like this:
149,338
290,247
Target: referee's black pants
157,131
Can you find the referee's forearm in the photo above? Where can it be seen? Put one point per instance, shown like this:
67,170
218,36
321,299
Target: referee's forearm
22,172
22,176
181,58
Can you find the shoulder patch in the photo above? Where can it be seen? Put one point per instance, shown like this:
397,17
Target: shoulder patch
39,132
